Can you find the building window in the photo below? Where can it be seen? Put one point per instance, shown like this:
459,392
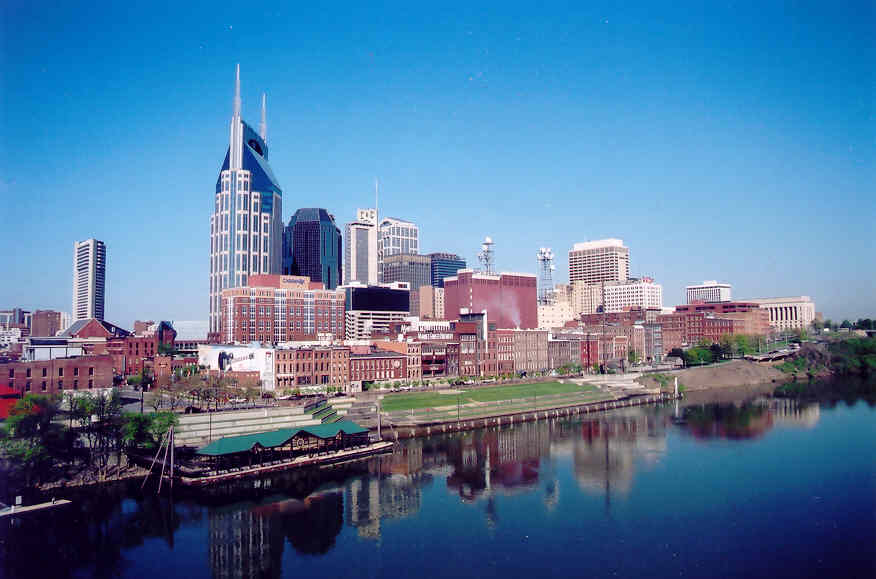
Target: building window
91,371
76,371
60,384
60,372
90,383
27,386
44,386
27,373
75,384
44,374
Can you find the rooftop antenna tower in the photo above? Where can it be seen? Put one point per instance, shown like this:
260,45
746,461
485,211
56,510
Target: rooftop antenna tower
546,268
486,256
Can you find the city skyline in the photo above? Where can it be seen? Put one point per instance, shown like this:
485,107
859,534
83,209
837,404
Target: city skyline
727,170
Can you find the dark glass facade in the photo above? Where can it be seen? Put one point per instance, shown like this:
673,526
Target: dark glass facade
444,265
312,246
378,299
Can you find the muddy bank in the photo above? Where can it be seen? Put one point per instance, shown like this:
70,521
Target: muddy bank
726,375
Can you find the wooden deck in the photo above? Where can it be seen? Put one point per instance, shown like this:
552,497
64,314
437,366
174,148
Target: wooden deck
297,462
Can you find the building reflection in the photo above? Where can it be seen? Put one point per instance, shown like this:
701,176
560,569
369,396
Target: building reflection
606,452
503,461
747,420
392,490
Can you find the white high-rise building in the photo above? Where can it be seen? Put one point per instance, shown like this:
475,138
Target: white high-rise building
709,291
604,260
246,227
89,279
360,248
396,236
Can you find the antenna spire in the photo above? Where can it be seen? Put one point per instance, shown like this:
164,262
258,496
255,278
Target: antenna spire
237,92
263,126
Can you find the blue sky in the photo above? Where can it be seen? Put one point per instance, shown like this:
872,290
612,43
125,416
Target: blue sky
735,142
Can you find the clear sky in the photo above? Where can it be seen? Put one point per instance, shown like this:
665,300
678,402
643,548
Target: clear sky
734,142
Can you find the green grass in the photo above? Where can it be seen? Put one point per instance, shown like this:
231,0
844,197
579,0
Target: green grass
413,401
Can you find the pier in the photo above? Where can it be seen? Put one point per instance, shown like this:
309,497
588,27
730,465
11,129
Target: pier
20,510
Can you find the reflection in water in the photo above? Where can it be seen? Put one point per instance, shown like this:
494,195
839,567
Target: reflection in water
747,420
605,453
249,524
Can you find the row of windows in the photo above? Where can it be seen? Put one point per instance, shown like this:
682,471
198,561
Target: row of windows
27,372
28,387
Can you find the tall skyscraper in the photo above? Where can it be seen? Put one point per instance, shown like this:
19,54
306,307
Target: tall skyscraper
312,247
604,260
89,279
246,227
396,236
444,265
360,248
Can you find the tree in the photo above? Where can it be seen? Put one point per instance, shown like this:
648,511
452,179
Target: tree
26,438
846,324
633,357
717,351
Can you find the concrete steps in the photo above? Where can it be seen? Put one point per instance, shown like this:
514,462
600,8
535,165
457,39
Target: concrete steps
198,429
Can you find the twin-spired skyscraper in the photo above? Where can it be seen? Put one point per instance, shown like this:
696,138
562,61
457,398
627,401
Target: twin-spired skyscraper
246,228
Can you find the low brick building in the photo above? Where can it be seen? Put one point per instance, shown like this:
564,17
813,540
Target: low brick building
378,366
59,374
413,351
306,367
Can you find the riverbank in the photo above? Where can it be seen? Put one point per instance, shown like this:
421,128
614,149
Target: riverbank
725,375
414,429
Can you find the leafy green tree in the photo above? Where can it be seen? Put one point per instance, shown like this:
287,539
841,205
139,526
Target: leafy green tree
633,357
26,437
846,324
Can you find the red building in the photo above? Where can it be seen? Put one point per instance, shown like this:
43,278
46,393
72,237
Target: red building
312,365
45,323
378,366
682,329
58,375
510,299
281,308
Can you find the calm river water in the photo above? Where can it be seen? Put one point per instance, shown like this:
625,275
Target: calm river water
766,488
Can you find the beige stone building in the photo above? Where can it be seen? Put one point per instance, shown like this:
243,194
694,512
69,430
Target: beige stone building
788,313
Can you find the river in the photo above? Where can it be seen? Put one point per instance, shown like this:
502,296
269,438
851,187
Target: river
757,488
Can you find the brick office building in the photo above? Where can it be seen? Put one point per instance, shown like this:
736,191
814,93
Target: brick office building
510,299
58,375
411,349
45,323
316,365
280,308
377,366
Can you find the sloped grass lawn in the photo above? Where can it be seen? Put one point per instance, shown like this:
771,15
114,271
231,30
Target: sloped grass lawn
413,401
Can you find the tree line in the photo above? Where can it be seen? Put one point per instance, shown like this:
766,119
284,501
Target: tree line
39,443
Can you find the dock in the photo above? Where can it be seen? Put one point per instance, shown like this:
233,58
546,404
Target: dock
297,462
20,510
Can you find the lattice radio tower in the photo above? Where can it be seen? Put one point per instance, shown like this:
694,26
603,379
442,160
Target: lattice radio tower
486,256
546,269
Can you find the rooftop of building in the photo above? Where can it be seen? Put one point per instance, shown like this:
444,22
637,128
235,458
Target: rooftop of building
780,300
482,275
709,283
598,243
306,214
377,353
78,325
